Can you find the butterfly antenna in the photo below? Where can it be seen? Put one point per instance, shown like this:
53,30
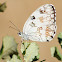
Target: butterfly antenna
15,26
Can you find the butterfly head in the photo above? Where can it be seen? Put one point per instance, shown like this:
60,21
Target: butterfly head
19,33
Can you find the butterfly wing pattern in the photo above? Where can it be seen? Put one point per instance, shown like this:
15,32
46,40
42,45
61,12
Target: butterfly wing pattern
41,25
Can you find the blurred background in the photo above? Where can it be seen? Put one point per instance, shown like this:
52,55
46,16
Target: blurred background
18,12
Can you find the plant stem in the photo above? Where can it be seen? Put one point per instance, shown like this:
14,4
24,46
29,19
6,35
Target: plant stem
21,53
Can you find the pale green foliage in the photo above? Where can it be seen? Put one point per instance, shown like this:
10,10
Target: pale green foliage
3,7
15,59
24,46
9,46
52,51
60,35
55,53
60,39
31,50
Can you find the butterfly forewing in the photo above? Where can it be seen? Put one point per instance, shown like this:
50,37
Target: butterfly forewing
41,24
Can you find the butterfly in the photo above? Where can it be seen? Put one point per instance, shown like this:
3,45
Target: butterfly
41,24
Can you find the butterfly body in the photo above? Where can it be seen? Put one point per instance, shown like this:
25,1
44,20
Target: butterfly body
41,25
24,36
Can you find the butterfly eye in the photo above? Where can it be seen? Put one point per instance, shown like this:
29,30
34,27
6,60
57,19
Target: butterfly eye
33,17
19,33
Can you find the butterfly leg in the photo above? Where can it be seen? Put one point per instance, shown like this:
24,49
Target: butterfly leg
22,40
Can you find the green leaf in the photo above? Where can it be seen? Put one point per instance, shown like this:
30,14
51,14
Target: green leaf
60,35
7,58
30,51
55,53
60,39
3,7
52,51
9,47
15,59
1,51
36,58
24,46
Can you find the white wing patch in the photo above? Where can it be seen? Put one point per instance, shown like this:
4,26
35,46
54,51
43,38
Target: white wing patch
41,25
